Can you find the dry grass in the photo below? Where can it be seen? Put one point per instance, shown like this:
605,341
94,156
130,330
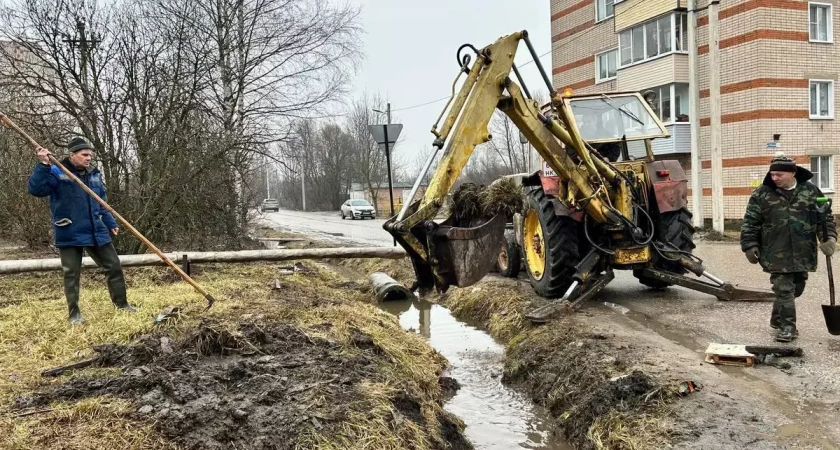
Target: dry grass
498,306
503,196
96,423
34,335
398,269
618,430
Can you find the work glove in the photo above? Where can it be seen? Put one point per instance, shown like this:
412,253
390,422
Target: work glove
752,255
828,247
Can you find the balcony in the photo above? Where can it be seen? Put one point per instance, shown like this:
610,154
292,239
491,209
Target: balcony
679,142
632,12
666,69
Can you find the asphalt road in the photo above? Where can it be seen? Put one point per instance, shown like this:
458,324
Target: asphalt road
328,226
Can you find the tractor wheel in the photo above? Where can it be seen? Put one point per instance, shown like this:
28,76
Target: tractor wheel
674,227
509,260
550,246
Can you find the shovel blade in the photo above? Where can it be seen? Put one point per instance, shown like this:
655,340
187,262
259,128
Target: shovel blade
832,318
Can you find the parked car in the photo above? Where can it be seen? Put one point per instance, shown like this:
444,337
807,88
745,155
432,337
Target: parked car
270,204
357,209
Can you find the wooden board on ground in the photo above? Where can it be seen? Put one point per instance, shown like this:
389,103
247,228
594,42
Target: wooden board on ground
729,355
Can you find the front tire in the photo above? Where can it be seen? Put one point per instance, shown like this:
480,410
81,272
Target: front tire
550,245
509,260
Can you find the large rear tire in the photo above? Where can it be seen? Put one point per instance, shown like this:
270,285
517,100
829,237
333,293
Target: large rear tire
549,245
672,227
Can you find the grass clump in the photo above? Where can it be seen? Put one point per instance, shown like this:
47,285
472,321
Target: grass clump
472,202
503,196
498,306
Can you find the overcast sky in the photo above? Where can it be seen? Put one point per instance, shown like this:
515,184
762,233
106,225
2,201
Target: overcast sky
410,52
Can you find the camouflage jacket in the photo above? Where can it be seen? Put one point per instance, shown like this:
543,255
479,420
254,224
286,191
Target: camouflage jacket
784,225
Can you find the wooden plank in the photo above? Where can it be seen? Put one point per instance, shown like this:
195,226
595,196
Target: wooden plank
56,371
729,354
44,265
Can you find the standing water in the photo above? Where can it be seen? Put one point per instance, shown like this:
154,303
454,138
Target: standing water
496,416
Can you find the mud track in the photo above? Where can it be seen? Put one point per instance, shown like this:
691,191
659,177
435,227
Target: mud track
263,387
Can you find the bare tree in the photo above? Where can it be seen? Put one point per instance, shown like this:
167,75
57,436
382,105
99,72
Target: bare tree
369,162
183,99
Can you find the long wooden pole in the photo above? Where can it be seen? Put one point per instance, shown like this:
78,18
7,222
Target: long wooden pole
45,265
210,300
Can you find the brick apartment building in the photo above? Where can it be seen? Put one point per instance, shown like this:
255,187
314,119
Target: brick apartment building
778,69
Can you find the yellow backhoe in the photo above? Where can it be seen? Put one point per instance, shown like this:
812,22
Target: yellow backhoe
592,209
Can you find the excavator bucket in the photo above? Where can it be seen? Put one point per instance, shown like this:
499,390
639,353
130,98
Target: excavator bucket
445,255
465,255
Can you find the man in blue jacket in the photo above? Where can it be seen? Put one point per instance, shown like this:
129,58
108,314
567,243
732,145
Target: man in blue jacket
80,223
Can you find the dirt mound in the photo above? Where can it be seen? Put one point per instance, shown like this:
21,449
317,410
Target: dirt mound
582,379
261,386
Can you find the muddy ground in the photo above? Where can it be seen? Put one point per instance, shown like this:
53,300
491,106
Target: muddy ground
309,365
612,382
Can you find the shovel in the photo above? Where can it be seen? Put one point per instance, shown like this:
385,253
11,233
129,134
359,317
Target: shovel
831,312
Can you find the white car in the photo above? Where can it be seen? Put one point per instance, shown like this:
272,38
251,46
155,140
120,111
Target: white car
357,209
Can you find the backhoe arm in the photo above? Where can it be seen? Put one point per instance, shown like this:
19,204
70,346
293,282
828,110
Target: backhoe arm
446,253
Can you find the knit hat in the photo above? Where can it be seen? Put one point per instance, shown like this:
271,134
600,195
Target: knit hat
782,163
79,143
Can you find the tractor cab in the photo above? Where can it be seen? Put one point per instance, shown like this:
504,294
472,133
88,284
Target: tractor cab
615,124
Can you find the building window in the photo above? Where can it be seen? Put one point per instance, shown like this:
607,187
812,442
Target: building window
604,9
671,102
606,65
819,16
822,168
822,99
654,38
681,28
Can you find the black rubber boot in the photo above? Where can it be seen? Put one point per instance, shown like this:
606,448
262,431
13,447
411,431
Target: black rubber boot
127,308
75,317
787,334
774,319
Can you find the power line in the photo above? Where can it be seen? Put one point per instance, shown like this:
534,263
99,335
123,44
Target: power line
554,46
422,104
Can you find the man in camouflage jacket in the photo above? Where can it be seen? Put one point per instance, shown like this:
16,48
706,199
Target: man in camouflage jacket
780,231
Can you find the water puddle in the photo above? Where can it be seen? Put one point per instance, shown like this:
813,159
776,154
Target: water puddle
496,416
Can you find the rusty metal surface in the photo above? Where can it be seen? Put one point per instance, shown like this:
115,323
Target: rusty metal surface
633,255
676,171
671,195
551,185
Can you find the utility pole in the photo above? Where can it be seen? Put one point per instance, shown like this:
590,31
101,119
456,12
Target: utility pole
85,46
714,108
694,113
267,182
302,185
388,155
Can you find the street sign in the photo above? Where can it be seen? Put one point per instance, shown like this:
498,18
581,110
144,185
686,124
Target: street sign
378,132
386,136
774,145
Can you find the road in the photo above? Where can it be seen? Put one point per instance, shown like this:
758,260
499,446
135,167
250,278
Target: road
329,227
